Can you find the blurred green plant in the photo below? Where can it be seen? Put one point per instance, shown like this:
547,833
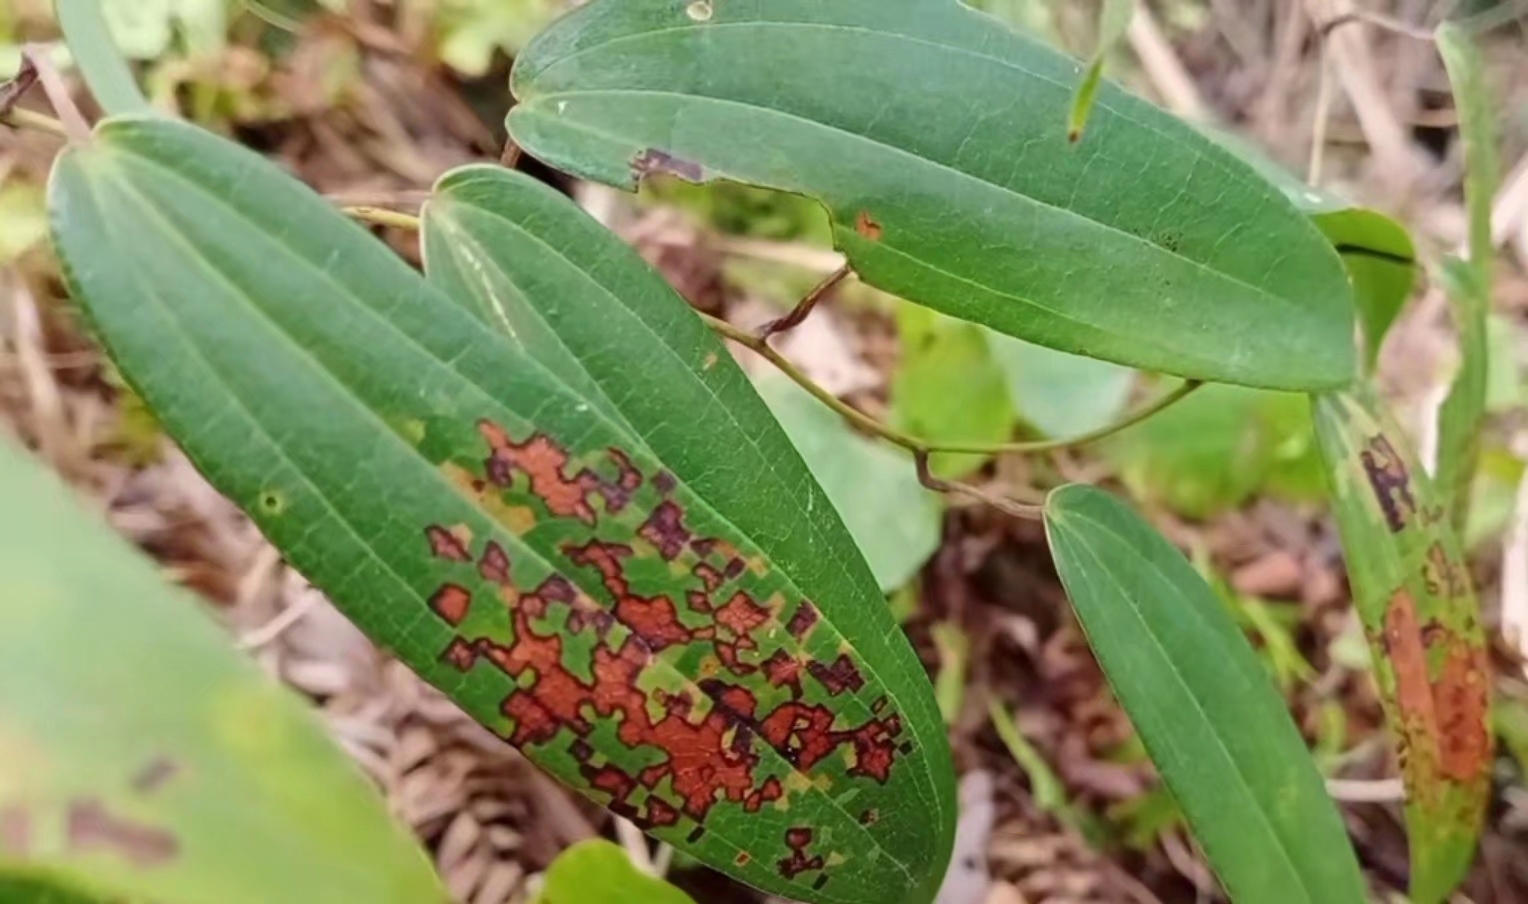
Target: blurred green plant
1220,447
598,872
142,757
471,32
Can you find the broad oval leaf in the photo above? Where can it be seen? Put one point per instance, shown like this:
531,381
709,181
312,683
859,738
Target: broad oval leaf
503,533
1412,589
142,758
1204,706
936,139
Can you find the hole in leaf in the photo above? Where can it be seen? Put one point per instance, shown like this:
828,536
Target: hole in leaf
700,10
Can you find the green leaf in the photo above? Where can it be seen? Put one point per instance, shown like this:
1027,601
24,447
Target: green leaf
1061,395
1215,449
874,486
598,597
142,758
1113,22
598,872
934,137
1203,704
1381,261
948,390
95,51
1413,592
1469,286
1377,251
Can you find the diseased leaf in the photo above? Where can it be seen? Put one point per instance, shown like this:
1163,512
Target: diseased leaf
1412,590
1060,395
527,261
873,485
1147,244
1468,285
598,597
1215,726
598,872
142,758
947,389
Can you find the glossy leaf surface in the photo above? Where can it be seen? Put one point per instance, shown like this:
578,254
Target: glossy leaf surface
936,138
1215,726
507,535
1377,251
1412,589
142,758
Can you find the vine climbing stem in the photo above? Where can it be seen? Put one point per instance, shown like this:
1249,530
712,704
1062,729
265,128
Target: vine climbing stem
922,450
915,445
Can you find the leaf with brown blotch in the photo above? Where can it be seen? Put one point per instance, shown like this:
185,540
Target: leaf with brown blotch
596,542
1413,591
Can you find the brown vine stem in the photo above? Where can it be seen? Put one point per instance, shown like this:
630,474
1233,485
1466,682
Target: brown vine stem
805,306
1026,510
72,123
913,444
18,118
